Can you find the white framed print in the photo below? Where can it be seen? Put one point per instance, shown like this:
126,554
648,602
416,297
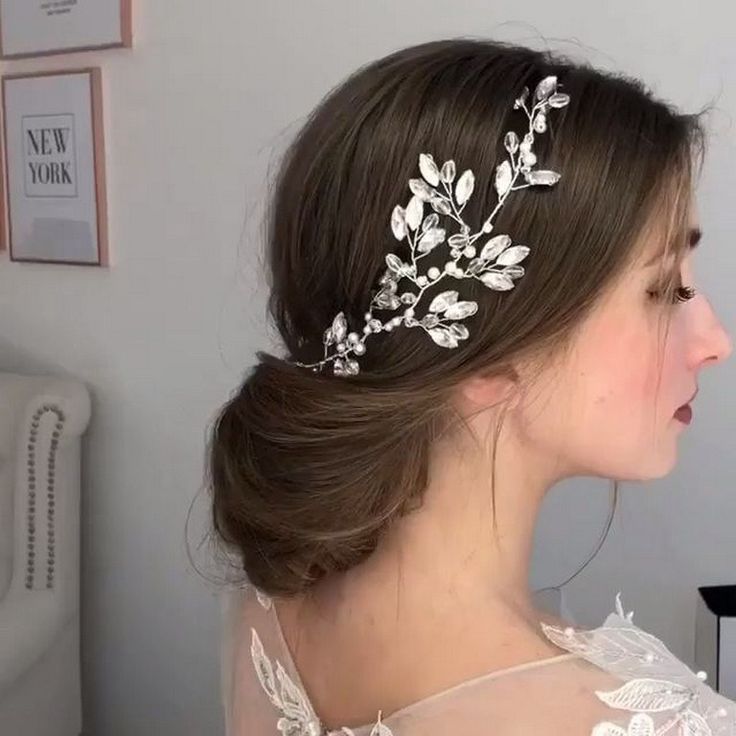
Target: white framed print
55,167
41,27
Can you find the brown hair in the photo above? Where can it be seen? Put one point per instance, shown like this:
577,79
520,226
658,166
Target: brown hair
307,470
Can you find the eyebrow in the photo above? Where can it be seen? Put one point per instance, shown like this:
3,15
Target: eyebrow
695,235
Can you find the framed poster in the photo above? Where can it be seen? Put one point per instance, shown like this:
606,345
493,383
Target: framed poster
55,167
3,203
41,27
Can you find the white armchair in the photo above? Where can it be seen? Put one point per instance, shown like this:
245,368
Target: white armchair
42,419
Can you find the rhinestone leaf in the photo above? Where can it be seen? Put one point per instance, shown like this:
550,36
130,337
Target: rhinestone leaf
421,189
460,310
430,221
440,205
559,100
511,142
513,255
475,266
514,272
339,327
428,168
545,88
444,337
414,212
497,281
458,240
494,246
431,239
443,301
394,263
460,331
398,224
503,178
543,177
448,172
464,187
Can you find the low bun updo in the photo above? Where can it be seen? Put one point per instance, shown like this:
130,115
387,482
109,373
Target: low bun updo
307,471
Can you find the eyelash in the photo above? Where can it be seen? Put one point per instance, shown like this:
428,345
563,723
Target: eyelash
682,294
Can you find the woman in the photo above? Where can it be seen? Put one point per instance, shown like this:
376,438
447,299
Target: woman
381,484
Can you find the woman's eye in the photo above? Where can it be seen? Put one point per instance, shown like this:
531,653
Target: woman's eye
682,294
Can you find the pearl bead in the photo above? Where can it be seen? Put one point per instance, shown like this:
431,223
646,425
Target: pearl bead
422,281
702,675
409,312
388,326
569,631
367,316
449,266
470,251
433,273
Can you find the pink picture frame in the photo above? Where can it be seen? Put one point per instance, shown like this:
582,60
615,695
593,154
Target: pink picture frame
125,40
95,178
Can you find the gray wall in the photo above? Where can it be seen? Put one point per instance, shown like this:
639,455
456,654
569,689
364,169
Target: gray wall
193,116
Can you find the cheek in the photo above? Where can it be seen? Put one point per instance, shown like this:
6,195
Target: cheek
618,369
618,366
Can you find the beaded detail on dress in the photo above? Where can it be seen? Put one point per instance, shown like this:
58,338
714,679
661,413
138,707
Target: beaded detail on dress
655,685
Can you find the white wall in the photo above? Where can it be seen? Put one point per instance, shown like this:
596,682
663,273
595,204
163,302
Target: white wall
193,114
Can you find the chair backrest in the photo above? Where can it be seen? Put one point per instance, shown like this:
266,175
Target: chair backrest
29,405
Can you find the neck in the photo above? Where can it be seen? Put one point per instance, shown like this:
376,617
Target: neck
446,556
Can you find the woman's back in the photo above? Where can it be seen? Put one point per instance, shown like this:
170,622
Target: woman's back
615,674
410,655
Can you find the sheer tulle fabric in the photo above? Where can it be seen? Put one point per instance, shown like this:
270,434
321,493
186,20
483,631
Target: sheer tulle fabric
614,680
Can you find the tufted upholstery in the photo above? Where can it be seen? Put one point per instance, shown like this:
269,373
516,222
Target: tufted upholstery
42,419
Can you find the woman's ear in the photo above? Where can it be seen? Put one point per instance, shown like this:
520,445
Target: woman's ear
485,391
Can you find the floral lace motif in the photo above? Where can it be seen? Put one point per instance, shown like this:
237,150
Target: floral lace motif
669,685
297,715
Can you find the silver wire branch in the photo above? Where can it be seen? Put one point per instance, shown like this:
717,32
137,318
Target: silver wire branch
496,266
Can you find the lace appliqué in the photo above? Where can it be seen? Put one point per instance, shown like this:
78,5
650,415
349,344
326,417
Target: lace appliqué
297,715
630,652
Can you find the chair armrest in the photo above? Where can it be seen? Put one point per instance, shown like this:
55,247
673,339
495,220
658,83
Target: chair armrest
30,622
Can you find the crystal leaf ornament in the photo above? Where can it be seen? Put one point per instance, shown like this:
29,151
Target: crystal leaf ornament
495,262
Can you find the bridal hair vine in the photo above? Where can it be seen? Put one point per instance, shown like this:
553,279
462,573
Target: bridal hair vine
496,265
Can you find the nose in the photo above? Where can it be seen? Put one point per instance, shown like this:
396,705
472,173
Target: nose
716,345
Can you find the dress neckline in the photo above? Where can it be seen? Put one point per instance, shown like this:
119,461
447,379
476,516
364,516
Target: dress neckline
446,692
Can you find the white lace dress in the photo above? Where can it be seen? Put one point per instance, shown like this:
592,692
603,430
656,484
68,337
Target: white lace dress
614,680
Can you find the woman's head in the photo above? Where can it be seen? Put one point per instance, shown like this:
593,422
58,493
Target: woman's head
309,471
